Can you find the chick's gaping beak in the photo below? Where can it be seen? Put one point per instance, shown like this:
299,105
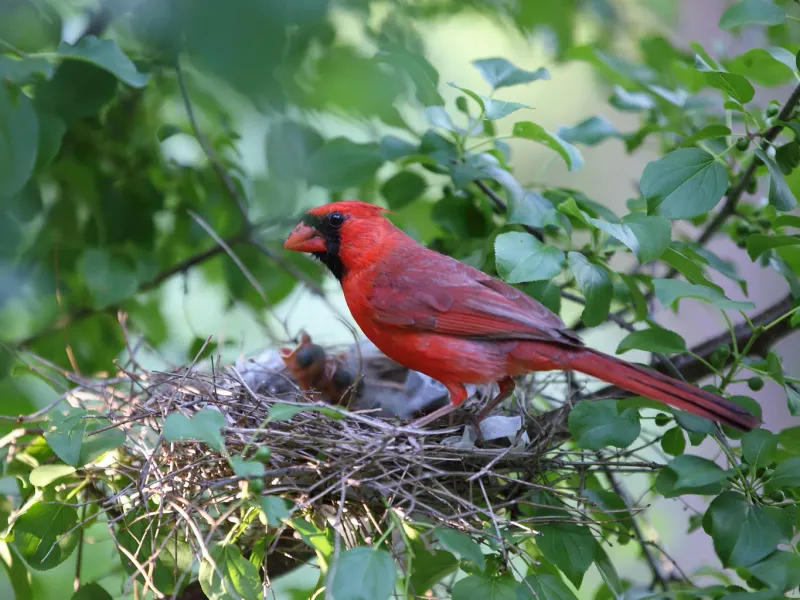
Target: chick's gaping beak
305,238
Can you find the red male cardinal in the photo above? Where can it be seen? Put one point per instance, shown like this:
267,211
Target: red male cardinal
443,318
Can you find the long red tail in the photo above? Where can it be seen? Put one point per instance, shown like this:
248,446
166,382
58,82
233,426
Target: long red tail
652,384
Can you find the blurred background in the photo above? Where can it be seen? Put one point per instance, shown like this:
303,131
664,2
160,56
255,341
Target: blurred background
107,223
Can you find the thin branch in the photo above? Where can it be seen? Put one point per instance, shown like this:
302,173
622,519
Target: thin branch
659,576
502,207
209,151
744,181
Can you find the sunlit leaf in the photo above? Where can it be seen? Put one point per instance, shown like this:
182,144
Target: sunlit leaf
684,184
653,339
646,236
590,132
45,534
204,425
532,131
780,194
19,134
752,12
461,545
106,55
520,257
233,577
670,291
743,533
595,285
595,425
499,72
362,573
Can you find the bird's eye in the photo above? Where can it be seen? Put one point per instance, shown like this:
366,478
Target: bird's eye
336,219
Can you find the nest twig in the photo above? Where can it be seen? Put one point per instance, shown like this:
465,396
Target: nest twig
347,473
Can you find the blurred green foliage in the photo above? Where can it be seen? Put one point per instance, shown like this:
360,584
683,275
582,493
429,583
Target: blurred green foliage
100,210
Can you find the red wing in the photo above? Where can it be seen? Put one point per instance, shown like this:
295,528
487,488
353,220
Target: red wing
463,302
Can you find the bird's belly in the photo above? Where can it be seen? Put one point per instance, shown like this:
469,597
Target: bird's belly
445,358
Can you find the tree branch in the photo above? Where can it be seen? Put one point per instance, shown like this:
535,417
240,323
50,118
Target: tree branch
501,206
209,151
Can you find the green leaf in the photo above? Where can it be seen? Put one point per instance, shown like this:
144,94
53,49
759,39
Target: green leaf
275,509
752,12
669,291
430,568
204,426
627,101
780,194
283,412
655,339
786,475
597,424
99,438
735,86
532,209
707,132
461,545
315,538
595,285
498,73
792,396
497,109
480,587
392,147
109,279
646,236
363,574
45,535
51,132
694,474
65,435
106,55
19,135
290,146
688,266
769,67
589,132
402,189
44,475
342,163
91,591
686,183
25,70
520,257
532,131
247,468
780,571
673,442
569,547
545,587
234,576
743,533
607,570
759,447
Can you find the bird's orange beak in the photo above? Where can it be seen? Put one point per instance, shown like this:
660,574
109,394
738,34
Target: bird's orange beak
305,238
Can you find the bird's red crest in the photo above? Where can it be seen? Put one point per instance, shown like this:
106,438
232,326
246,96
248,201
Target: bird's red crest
349,207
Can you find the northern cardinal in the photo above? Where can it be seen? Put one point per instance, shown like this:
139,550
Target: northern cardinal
314,369
434,314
